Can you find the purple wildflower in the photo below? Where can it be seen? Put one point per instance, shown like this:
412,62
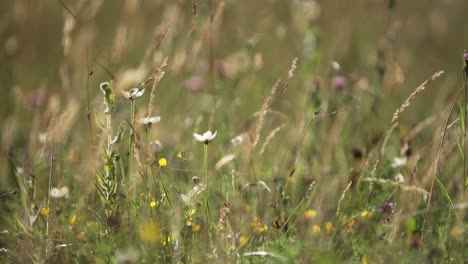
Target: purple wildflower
194,83
36,98
388,208
339,82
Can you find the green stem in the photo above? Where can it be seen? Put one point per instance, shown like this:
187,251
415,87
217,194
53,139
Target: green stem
130,145
148,166
205,157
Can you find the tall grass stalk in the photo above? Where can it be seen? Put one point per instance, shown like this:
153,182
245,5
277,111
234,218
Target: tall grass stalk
131,138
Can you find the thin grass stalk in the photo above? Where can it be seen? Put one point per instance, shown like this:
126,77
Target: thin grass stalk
130,145
429,198
207,192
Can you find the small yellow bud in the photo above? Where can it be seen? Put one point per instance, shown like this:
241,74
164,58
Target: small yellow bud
45,211
316,229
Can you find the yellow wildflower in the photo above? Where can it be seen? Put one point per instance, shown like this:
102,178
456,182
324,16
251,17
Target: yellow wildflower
456,232
45,211
328,227
162,162
365,214
316,229
364,260
80,236
154,204
309,214
72,220
243,240
149,231
196,228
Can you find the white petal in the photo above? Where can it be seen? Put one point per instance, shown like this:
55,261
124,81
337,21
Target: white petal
213,136
139,93
207,134
198,137
156,146
155,119
143,120
399,162
126,94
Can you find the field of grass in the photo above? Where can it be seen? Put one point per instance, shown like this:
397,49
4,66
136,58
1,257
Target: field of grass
232,131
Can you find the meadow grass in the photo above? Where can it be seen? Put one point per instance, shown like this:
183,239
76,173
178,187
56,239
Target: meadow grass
232,132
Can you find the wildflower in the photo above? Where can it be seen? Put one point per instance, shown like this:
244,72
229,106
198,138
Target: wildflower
465,56
206,137
127,256
349,226
196,228
310,214
73,220
243,240
457,232
316,229
398,162
57,193
133,93
192,211
149,231
156,146
364,260
149,120
154,204
388,208
195,179
80,236
335,65
194,83
365,214
239,139
167,240
328,227
180,155
399,177
162,162
339,82
261,229
42,138
36,99
257,227
45,210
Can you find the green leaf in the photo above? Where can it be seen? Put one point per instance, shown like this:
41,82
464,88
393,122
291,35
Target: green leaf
120,133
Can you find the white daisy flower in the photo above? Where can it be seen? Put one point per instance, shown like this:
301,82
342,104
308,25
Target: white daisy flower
399,162
133,93
206,137
156,146
57,193
149,120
